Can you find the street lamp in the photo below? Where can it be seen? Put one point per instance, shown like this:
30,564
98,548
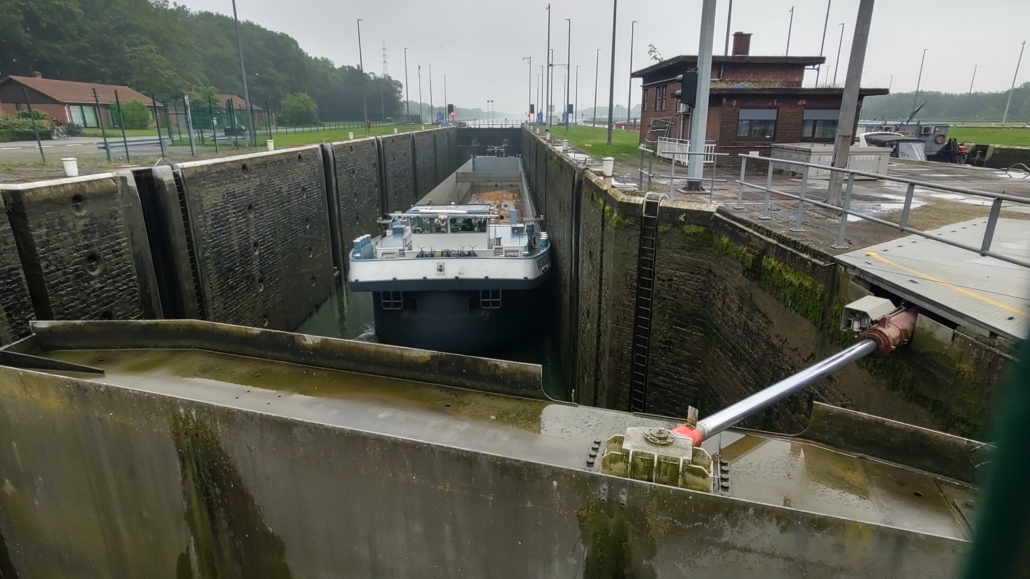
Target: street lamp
839,45
407,99
243,70
919,80
611,76
430,94
361,68
530,59
568,74
597,63
421,118
629,99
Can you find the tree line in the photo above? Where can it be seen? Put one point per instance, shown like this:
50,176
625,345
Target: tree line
978,106
168,50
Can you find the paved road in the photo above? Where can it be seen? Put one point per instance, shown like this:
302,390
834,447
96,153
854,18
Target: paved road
84,148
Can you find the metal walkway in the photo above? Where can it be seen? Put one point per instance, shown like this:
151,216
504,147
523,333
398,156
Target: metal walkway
982,293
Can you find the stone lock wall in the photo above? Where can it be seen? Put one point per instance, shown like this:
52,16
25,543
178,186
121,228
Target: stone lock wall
358,193
15,304
398,172
424,143
736,309
83,247
260,226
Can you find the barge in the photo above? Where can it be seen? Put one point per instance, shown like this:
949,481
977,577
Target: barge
460,270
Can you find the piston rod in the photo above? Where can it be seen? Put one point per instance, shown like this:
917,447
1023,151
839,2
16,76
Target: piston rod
734,413
880,339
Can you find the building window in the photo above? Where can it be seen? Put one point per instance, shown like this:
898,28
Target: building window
84,116
659,101
643,101
820,124
759,124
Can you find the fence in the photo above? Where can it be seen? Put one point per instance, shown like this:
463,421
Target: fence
676,150
675,156
996,199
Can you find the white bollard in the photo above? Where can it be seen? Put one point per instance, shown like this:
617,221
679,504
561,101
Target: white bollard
71,166
565,145
423,127
608,166
395,130
350,136
270,144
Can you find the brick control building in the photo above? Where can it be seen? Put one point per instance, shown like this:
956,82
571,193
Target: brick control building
754,101
65,100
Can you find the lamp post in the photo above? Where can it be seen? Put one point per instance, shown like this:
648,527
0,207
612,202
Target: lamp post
444,107
547,75
919,79
568,74
790,28
575,108
611,86
361,69
421,118
1005,116
243,69
407,99
629,97
839,45
530,92
597,63
431,111
826,22
972,79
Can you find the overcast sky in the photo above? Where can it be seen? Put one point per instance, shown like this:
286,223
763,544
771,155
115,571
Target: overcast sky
479,44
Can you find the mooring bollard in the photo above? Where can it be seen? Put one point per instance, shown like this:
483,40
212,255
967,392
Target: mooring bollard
71,166
350,136
395,130
270,144
608,166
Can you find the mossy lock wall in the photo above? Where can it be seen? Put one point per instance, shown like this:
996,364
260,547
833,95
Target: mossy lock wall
736,309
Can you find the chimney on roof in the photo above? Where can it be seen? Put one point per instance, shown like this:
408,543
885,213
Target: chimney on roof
741,43
37,74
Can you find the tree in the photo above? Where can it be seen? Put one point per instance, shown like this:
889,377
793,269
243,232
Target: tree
298,109
135,115
152,73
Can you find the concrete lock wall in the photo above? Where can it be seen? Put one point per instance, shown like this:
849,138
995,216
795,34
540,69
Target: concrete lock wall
83,247
736,309
260,228
358,191
424,143
107,482
398,172
15,304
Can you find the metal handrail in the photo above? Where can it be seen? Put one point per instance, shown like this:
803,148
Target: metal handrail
672,170
845,208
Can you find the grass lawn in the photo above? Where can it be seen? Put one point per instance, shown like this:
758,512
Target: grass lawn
1018,136
117,133
594,140
289,138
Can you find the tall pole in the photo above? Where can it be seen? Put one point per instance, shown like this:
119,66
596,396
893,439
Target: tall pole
568,74
699,116
431,112
575,108
361,68
729,18
444,107
1005,116
243,69
420,117
919,79
790,27
849,102
530,88
839,45
597,67
972,79
629,98
822,44
611,77
407,99
547,76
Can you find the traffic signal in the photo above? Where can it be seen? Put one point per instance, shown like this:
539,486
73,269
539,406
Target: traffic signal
572,109
532,109
450,110
687,94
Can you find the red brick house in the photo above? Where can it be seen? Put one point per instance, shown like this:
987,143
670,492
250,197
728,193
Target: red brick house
65,100
754,100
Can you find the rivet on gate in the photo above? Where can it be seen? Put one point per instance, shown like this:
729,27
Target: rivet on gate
623,495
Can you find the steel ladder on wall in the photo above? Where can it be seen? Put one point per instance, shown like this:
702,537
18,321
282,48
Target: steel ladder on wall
644,303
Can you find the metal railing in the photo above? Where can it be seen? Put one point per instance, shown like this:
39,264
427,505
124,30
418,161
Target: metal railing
996,200
672,149
672,170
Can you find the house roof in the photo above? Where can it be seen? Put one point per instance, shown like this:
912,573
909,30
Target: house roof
237,101
797,90
68,91
691,59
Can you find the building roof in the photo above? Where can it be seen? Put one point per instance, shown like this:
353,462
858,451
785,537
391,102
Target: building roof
691,59
68,91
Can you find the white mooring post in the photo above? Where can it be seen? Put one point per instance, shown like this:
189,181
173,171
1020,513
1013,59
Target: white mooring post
270,144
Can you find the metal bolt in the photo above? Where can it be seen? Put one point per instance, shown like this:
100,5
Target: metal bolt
597,442
725,477
725,486
590,462
969,504
593,455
